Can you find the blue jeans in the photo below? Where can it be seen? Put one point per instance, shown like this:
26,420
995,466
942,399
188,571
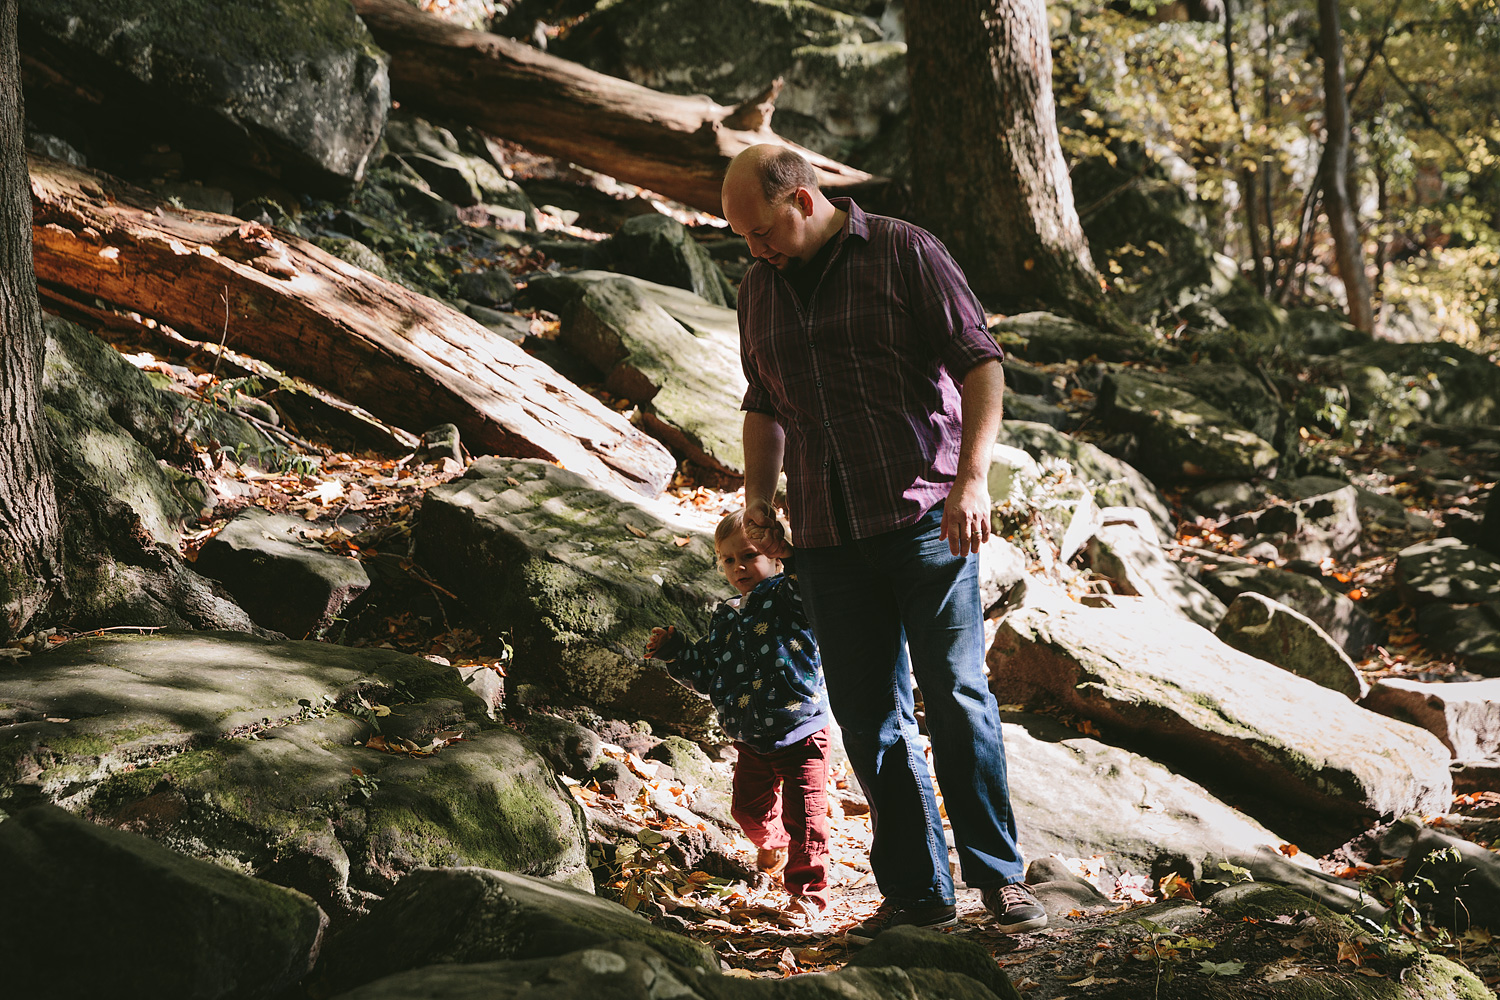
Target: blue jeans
870,601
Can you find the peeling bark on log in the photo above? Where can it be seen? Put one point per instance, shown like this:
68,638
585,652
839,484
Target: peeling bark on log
400,355
676,146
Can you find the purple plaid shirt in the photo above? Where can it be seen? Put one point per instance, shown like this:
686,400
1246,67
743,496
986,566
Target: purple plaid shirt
859,376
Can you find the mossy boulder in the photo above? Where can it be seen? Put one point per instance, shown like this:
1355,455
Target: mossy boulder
253,753
111,423
660,249
466,915
285,86
580,576
728,50
284,580
1115,483
1449,384
1182,436
1341,618
156,923
663,348
1045,338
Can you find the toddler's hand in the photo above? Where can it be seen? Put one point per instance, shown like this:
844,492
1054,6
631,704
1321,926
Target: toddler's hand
659,636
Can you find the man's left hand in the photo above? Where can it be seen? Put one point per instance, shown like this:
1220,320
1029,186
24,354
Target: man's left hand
966,517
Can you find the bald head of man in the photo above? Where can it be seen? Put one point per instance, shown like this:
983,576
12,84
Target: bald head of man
771,198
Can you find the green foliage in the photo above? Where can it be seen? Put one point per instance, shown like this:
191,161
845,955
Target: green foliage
1424,81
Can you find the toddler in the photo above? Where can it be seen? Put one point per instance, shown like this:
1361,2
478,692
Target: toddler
759,666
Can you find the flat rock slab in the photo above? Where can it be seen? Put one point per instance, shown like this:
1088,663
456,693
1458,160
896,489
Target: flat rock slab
252,752
1181,436
1273,632
284,580
1078,797
1296,754
664,348
464,915
1335,614
1465,715
157,923
580,575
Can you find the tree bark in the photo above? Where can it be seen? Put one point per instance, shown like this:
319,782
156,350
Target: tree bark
402,356
30,531
676,146
1248,176
1340,195
988,175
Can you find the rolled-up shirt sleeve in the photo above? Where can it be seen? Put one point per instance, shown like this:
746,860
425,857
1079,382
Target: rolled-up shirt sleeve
945,309
757,399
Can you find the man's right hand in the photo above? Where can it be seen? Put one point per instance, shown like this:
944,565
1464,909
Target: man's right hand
764,529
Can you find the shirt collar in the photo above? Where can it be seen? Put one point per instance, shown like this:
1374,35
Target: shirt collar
857,224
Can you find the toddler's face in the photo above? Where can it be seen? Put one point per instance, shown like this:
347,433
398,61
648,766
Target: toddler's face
743,563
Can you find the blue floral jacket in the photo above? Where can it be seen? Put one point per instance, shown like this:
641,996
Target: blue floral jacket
759,666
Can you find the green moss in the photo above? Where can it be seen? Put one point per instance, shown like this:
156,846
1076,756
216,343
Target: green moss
265,30
503,825
97,744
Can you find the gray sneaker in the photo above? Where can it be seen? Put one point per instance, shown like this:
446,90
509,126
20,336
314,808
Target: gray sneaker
1015,908
928,915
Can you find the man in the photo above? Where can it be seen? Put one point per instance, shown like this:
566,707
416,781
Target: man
853,328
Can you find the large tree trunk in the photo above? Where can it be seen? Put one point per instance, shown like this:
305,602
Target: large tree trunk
30,533
675,146
400,355
1339,194
988,174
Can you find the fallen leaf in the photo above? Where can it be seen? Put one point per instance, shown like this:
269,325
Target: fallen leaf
1351,952
637,532
1221,968
680,541
1290,850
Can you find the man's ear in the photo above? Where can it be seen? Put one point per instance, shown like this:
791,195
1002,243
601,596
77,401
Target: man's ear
804,201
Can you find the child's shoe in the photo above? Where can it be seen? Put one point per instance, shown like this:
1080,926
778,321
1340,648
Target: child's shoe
805,910
771,860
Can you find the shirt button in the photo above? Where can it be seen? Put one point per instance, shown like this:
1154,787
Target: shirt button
827,423
820,383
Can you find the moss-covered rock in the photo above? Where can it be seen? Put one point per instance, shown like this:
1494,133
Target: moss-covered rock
660,249
252,753
1115,483
293,85
465,915
580,575
729,50
112,424
280,580
157,923
1180,435
674,354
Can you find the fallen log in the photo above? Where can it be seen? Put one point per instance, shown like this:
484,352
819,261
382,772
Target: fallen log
674,145
404,357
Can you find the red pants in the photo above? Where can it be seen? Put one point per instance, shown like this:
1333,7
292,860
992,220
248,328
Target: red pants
781,800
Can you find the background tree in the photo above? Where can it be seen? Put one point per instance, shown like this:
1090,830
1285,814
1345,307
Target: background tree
988,174
1340,194
30,533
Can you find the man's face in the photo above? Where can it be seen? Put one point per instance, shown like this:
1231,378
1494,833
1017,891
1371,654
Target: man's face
777,234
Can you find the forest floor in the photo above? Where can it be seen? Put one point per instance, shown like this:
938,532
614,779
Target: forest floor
365,506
